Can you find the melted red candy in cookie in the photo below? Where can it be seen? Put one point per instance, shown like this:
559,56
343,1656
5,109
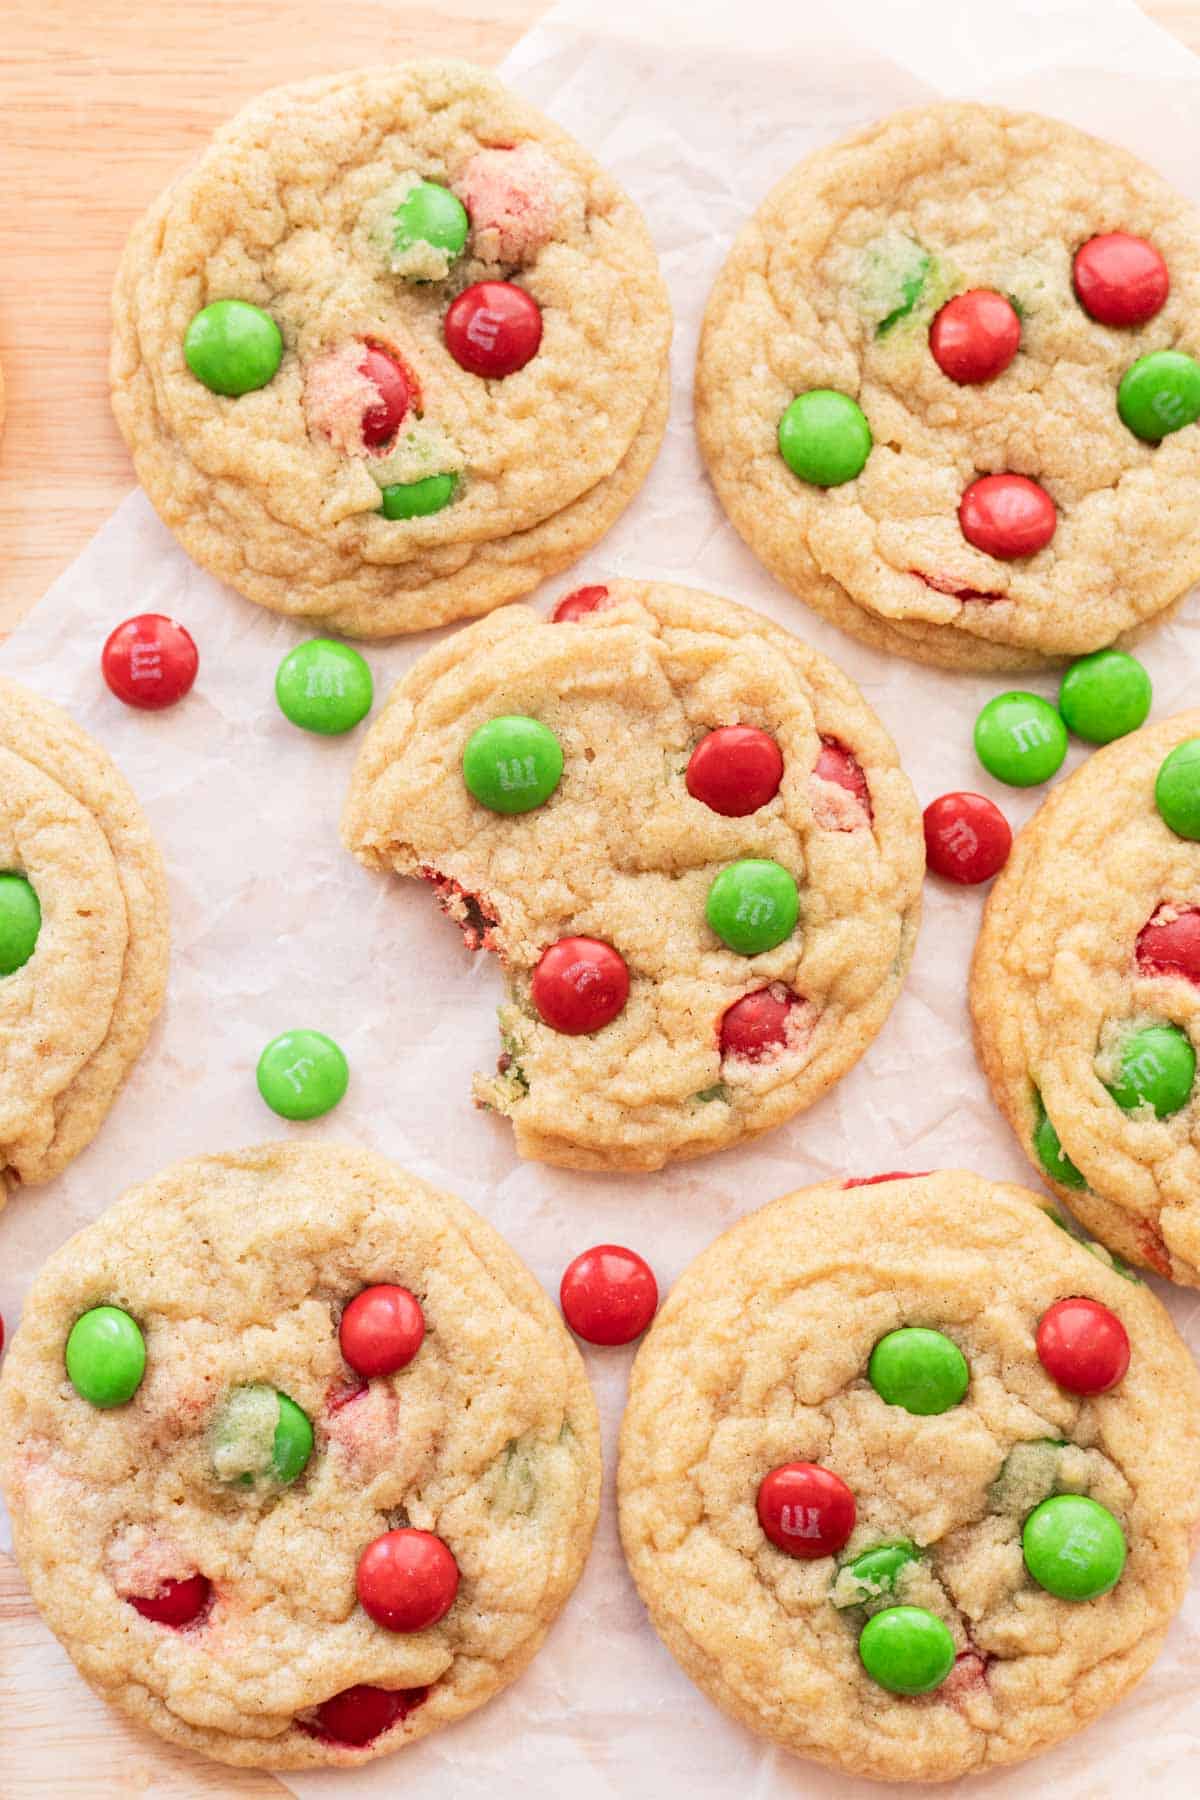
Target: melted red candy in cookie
839,767
511,195
176,1603
358,1715
469,911
392,382
956,587
758,1023
1169,943
577,604
890,1175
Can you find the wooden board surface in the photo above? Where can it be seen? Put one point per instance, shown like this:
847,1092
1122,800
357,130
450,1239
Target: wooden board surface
101,101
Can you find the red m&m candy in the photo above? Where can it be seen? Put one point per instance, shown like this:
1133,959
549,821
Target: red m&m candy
975,336
735,770
1007,516
381,1330
1120,279
1169,943
608,1295
406,1580
150,661
806,1510
837,764
176,1603
360,1714
577,604
391,379
757,1023
967,838
1083,1346
579,985
493,329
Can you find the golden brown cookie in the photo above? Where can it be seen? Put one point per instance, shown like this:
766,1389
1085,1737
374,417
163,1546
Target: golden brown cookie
838,283
83,935
706,897
253,1527
874,1438
1085,997
393,351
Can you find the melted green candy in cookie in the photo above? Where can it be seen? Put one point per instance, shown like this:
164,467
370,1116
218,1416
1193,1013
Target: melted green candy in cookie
20,922
899,278
260,1435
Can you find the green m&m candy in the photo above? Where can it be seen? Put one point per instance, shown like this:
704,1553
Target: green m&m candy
233,347
1177,789
260,1433
106,1356
302,1074
417,499
923,1371
1104,695
1157,1067
873,1573
1073,1547
512,764
1159,393
429,214
324,686
20,922
906,1649
753,905
824,437
1020,739
1051,1154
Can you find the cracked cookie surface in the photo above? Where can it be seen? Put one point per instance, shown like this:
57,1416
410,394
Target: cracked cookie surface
622,852
834,283
760,1355
75,1015
237,1269
275,490
1065,968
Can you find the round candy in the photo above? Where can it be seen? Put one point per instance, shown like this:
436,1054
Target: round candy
1051,1154
608,1295
923,1371
150,661
106,1356
293,1441
406,1580
753,905
1007,516
1120,279
806,1510
906,1649
233,347
324,686
417,499
360,1714
579,985
577,604
381,1330
176,1603
875,1572
1082,1346
381,422
1158,1066
967,838
1104,695
302,1074
757,1023
1170,946
1020,739
1074,1547
512,764
1177,789
735,770
975,336
1159,393
429,214
20,921
493,329
824,437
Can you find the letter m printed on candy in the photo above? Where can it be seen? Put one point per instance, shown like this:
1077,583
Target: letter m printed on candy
800,1521
1027,734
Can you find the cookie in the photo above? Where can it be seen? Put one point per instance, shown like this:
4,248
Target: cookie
688,839
907,1476
923,394
83,936
323,1464
393,351
1085,993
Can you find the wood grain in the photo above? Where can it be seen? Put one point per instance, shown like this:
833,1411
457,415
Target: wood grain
101,102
